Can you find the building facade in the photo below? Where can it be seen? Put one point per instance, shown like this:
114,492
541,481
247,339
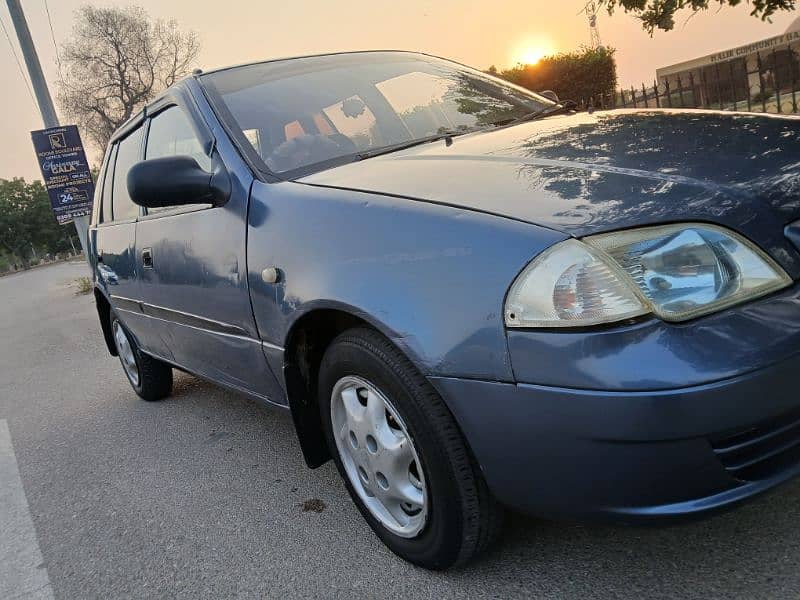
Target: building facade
757,73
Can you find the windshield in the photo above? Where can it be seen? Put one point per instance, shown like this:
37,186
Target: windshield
305,114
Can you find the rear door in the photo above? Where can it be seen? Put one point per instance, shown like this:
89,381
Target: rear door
193,272
116,232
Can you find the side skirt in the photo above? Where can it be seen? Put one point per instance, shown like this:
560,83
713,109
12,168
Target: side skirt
234,388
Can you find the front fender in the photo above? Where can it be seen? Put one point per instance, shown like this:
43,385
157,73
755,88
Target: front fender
431,278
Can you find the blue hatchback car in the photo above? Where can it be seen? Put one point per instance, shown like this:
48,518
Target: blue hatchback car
469,296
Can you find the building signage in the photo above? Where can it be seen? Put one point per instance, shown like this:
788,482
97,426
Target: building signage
65,171
768,44
747,52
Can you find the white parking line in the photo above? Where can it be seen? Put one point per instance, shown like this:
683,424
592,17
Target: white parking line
22,571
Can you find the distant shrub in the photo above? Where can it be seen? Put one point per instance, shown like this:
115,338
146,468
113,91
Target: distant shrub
577,76
762,96
83,285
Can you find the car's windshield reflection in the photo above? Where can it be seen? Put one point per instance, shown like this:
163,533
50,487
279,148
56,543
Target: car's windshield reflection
320,111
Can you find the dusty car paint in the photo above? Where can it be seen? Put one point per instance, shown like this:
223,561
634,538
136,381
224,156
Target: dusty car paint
585,174
404,268
423,244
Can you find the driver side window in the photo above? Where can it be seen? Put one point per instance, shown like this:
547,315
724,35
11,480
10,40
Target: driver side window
171,134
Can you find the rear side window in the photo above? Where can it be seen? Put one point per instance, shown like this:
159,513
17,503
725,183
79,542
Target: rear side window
171,134
127,156
97,200
105,211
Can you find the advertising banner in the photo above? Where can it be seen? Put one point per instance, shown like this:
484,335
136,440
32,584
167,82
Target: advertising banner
65,171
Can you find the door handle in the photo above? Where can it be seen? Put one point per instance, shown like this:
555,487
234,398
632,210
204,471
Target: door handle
147,258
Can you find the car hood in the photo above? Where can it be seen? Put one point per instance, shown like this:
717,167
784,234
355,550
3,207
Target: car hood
584,174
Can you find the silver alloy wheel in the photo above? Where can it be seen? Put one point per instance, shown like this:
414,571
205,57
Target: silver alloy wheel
125,351
379,456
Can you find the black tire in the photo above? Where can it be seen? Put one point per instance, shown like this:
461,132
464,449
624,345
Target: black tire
155,376
463,517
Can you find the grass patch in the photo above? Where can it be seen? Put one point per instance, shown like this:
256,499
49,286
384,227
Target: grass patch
83,285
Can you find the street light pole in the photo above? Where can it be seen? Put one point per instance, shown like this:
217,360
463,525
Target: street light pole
43,98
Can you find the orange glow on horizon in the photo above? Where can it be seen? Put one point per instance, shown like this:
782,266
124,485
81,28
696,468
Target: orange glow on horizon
530,50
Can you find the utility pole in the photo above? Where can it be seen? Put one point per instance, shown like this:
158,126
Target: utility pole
43,98
590,8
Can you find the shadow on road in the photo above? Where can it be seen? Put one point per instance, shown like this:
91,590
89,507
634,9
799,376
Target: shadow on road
745,552
206,494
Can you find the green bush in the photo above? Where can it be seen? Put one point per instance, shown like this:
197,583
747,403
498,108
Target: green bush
578,76
27,222
83,286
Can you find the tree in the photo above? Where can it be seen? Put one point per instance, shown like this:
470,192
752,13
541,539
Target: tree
116,61
27,221
660,14
579,76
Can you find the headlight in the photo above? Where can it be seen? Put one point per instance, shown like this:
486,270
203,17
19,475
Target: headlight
676,272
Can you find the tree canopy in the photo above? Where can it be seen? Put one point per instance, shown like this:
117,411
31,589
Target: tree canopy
660,14
117,60
27,224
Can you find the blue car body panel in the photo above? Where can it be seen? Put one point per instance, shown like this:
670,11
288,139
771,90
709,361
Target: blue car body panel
619,421
626,456
407,269
654,355
584,174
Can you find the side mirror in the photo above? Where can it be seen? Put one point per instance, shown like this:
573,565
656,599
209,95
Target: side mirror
550,95
176,180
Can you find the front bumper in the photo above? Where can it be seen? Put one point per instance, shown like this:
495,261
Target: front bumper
655,450
566,453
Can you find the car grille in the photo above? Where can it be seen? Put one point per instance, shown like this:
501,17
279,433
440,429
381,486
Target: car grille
762,451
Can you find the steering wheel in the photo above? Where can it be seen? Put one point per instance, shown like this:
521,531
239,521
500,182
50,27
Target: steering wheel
303,150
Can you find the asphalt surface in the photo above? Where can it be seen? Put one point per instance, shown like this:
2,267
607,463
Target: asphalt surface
204,495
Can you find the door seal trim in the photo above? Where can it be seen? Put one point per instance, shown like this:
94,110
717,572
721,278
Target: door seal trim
181,317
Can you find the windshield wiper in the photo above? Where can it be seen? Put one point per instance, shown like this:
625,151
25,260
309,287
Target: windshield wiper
409,144
448,134
545,112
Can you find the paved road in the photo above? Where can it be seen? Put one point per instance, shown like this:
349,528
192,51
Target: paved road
201,496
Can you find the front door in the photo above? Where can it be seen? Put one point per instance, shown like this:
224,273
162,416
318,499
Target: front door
193,274
115,234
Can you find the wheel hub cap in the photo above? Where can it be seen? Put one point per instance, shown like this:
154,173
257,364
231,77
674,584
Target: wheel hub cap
125,351
379,456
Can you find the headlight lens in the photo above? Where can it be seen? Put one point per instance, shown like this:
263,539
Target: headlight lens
677,272
689,270
570,285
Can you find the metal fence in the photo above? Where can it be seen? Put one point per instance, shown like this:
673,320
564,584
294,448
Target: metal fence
761,82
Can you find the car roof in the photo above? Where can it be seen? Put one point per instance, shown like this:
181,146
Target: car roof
200,73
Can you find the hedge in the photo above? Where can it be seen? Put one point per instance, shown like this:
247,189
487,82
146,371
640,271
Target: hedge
578,76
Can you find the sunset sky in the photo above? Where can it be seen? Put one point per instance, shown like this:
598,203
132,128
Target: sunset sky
479,33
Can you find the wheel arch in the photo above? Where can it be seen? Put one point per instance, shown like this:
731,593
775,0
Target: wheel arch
306,342
104,314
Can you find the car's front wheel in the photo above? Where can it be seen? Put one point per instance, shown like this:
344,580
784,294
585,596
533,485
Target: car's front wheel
150,378
402,457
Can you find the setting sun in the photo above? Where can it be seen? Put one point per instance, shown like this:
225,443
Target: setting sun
530,50
530,55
